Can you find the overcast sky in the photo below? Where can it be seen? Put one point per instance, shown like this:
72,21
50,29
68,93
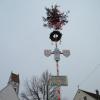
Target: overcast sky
23,40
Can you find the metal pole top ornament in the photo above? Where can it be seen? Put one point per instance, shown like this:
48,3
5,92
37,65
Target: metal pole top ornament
56,20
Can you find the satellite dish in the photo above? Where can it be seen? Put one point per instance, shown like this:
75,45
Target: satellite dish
47,53
66,53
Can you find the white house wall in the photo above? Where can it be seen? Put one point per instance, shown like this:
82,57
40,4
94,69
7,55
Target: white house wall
8,93
80,96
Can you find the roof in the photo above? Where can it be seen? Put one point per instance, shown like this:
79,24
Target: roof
94,95
14,77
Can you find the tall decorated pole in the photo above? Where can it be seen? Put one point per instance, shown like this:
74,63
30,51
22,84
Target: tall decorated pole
56,20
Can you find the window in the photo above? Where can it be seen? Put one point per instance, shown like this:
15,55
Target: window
15,89
85,98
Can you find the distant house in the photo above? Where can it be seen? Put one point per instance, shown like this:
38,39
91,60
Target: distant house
10,92
84,95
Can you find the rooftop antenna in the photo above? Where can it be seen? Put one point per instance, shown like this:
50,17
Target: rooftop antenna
78,86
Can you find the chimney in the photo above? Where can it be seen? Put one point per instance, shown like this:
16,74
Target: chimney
97,95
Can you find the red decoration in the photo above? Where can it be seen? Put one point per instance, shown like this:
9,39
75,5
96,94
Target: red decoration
55,19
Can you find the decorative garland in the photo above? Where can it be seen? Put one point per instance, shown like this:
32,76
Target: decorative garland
55,36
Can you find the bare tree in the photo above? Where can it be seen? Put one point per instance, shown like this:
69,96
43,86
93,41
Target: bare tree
39,89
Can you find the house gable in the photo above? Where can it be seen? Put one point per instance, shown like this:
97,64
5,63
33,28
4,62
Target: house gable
81,95
8,93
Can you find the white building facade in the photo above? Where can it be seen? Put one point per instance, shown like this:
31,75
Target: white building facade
84,95
10,92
